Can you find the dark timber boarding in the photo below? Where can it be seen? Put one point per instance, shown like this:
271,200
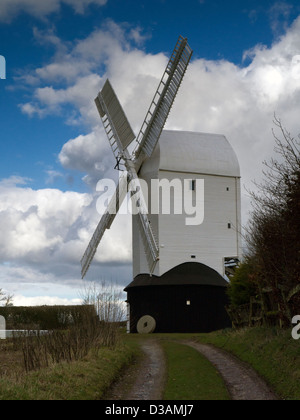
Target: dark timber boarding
166,299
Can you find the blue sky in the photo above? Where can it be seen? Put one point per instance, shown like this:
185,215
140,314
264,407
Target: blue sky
53,150
216,30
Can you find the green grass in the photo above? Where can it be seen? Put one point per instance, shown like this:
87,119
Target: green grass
88,379
190,375
271,352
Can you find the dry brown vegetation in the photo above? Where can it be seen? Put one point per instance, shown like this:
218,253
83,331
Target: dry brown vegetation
30,350
11,359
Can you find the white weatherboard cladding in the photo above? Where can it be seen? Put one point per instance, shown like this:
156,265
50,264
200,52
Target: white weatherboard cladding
213,240
209,242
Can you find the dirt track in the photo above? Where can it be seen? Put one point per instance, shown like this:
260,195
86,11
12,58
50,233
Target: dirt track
242,382
145,379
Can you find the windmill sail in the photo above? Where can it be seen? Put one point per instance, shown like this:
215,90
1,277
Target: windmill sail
105,223
163,98
149,241
115,122
120,136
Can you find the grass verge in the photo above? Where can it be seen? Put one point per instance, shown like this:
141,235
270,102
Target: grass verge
270,351
87,379
190,375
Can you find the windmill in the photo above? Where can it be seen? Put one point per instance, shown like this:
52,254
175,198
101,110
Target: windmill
121,136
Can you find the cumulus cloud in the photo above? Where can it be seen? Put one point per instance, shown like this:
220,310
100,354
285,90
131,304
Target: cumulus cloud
9,9
79,96
89,154
82,69
240,102
216,96
35,224
44,234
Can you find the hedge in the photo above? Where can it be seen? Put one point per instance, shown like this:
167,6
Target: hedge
45,317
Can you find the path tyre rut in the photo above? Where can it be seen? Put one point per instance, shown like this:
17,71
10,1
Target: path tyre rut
145,379
242,382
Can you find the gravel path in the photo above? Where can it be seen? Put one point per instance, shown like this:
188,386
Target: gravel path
242,382
145,379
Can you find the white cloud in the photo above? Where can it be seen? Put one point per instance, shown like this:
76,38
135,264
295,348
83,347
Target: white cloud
85,153
19,300
83,67
279,14
36,224
216,96
80,96
9,9
43,236
241,102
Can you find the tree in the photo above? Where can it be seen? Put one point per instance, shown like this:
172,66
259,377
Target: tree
5,300
273,233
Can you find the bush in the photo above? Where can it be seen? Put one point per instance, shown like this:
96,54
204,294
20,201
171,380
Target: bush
241,287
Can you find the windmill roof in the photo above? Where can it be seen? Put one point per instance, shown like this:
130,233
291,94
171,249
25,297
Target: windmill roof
189,273
192,152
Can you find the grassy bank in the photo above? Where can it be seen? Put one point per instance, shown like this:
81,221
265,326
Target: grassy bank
87,379
271,352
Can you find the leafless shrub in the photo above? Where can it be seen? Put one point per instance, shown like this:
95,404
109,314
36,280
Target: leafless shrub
56,346
107,300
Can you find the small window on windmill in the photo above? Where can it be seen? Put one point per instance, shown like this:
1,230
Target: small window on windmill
230,265
188,303
193,185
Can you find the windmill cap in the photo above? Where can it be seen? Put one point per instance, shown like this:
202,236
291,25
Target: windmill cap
189,273
193,152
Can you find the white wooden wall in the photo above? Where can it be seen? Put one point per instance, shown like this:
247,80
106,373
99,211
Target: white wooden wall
209,242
